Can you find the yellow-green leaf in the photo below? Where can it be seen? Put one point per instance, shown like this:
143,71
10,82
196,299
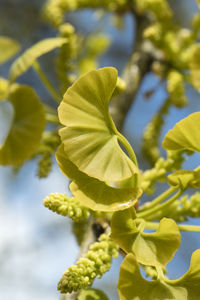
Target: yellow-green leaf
90,137
8,48
26,60
185,135
93,193
27,127
195,67
132,286
6,119
184,179
3,88
92,294
151,249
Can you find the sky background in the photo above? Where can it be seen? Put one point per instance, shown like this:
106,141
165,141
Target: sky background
36,245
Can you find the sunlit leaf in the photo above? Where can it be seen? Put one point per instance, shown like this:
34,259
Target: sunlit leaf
92,294
8,48
94,193
3,88
26,60
184,179
132,286
152,249
195,67
90,137
27,126
184,135
6,119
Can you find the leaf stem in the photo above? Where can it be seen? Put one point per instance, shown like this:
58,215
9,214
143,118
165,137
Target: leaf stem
153,210
128,147
158,199
46,82
154,226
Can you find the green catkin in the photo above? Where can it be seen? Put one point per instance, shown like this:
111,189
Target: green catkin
173,162
160,8
151,134
66,206
94,263
50,142
176,89
67,53
55,10
183,208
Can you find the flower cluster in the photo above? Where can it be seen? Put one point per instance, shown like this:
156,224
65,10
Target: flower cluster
93,264
66,206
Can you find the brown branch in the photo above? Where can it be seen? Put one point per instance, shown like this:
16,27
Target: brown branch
138,66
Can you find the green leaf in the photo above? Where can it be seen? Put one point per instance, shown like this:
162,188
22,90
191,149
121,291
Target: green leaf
90,137
93,193
3,88
6,119
152,249
132,286
185,135
184,179
92,294
26,60
27,127
8,48
195,67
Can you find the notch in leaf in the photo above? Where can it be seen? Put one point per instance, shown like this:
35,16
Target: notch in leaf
153,249
133,286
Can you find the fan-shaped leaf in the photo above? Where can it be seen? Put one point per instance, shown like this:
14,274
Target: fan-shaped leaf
195,67
90,138
6,119
3,88
25,61
94,193
184,135
132,286
27,127
152,249
92,294
8,48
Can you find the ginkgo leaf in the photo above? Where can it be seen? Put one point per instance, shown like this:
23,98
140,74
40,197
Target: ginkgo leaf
6,119
90,137
184,179
132,286
93,193
92,294
195,67
26,60
8,48
3,88
27,126
152,249
185,135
